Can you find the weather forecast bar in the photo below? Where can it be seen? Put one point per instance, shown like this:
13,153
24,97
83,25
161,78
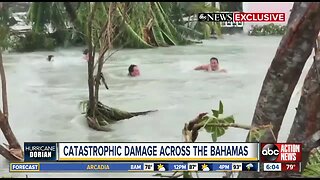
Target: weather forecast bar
130,167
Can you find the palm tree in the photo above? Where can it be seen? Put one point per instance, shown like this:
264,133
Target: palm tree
144,24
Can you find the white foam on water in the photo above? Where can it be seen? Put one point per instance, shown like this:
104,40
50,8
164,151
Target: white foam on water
44,96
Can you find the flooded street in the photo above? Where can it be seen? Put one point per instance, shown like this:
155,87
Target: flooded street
44,97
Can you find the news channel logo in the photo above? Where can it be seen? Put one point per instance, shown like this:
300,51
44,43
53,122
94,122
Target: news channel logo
202,17
269,152
224,18
37,151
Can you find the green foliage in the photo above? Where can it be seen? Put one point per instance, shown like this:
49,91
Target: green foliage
174,11
82,14
215,125
4,28
267,30
190,8
187,174
142,24
256,134
313,166
42,13
189,32
134,32
4,34
33,41
206,28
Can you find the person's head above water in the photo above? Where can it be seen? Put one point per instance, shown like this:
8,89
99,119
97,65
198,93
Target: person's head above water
214,63
86,54
133,70
50,58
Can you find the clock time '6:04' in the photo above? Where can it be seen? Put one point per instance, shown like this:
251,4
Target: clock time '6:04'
272,166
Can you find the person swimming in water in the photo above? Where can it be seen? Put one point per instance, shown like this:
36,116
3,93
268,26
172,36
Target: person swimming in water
213,66
86,54
133,70
50,58
102,79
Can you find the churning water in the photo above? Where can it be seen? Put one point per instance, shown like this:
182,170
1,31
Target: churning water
44,96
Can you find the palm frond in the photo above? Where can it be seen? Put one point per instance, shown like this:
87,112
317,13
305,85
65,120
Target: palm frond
188,32
140,43
313,166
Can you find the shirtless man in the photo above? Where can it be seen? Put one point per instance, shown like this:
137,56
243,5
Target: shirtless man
213,66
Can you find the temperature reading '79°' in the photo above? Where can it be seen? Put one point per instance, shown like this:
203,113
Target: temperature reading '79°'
290,166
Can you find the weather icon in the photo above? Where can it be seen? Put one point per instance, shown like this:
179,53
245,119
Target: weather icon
205,168
249,166
161,168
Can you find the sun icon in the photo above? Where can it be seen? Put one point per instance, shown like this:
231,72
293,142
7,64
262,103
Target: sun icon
204,166
160,166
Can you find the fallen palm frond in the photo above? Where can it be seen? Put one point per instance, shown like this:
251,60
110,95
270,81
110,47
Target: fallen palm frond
106,115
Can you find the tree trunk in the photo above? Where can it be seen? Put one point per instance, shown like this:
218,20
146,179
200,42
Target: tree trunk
91,52
4,123
285,70
307,119
105,45
100,116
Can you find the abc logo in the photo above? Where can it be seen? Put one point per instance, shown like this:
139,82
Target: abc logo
202,16
270,152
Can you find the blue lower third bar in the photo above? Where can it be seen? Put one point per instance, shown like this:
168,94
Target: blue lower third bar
222,166
75,167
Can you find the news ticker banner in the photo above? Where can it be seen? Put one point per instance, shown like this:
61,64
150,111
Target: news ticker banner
186,152
129,152
132,167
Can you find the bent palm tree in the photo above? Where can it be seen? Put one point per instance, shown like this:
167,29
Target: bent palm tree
144,24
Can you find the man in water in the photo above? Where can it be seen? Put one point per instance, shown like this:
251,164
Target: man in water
86,54
213,66
86,57
133,70
50,58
